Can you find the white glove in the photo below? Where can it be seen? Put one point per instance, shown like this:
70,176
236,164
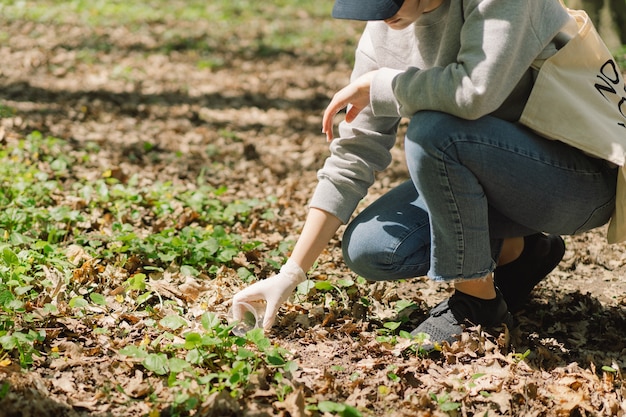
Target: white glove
273,291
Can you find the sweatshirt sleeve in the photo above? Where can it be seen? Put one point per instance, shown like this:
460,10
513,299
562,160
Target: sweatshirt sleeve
499,41
361,149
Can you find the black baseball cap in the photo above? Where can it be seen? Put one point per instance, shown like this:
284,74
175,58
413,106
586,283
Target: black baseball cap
366,9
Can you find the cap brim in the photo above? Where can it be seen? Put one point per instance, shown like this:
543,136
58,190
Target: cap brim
364,10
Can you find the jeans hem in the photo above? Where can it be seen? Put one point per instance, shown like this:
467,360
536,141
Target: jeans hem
462,278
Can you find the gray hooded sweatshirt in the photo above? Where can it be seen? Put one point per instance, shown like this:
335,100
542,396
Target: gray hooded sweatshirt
467,58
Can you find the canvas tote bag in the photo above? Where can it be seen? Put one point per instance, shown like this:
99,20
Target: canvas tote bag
579,98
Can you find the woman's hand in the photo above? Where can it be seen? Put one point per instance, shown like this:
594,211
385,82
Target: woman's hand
356,94
273,291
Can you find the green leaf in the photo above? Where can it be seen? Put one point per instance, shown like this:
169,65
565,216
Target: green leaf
8,342
188,270
244,274
210,321
143,298
610,369
157,363
305,287
4,390
78,302
9,257
392,325
350,412
211,341
134,352
343,410
402,304
192,340
323,286
275,360
173,322
404,334
177,365
243,353
58,165
330,407
234,378
290,366
137,282
23,289
345,282
6,297
450,406
194,356
98,298
257,336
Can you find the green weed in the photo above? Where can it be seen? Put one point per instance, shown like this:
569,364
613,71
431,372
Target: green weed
212,358
337,409
6,111
444,402
39,226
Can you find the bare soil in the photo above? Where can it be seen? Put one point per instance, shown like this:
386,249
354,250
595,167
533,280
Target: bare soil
253,125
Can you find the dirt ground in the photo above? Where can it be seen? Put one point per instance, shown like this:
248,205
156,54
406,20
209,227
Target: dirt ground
254,126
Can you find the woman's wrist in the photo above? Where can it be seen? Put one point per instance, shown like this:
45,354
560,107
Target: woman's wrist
293,270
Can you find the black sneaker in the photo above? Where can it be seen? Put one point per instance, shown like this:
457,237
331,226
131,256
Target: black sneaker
447,319
541,254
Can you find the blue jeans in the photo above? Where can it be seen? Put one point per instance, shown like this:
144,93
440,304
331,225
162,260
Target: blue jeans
473,184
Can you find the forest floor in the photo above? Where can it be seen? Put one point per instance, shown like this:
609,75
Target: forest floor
250,122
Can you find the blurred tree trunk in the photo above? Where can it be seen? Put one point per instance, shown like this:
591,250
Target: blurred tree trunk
609,16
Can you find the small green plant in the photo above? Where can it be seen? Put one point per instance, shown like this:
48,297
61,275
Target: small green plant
5,388
518,357
213,358
444,402
391,373
22,341
6,111
342,287
38,231
337,409
388,333
609,369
